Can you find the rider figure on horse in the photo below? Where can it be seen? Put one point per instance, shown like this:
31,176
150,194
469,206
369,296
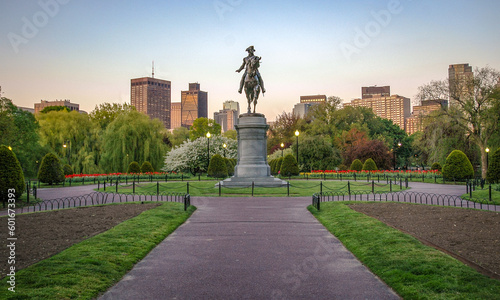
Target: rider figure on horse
246,61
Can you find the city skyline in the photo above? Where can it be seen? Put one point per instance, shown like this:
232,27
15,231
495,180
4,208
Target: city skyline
88,51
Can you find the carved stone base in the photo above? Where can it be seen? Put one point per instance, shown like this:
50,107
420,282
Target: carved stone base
252,154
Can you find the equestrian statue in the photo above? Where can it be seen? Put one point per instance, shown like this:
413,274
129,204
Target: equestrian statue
251,79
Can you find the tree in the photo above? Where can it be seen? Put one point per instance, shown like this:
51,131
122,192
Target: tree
191,156
147,167
317,153
282,130
356,145
106,113
132,136
217,167
11,174
436,166
458,166
356,165
230,134
179,136
289,166
54,108
493,174
474,104
134,168
201,126
369,165
19,130
51,170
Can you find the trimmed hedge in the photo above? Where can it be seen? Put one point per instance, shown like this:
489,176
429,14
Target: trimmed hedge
458,166
356,165
370,165
436,166
289,166
68,170
493,174
277,165
229,166
134,167
147,167
51,170
11,174
217,167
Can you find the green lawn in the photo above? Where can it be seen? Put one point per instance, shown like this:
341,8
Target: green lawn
298,188
482,195
92,266
413,270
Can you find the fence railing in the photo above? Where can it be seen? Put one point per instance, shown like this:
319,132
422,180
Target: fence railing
402,196
100,198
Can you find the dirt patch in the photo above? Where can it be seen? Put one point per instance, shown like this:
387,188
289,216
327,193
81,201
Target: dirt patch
41,235
472,236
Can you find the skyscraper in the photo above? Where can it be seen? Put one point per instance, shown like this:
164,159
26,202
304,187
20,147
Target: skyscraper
175,115
228,116
194,105
375,91
152,96
459,76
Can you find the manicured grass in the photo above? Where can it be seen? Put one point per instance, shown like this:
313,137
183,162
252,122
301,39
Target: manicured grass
89,268
413,270
482,196
298,188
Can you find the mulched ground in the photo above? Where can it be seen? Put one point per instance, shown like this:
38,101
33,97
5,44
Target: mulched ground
41,235
471,236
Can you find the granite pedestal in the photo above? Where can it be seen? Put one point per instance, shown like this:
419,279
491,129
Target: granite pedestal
252,154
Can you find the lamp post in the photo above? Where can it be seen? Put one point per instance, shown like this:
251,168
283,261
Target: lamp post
395,150
487,153
208,149
297,136
224,146
65,150
282,145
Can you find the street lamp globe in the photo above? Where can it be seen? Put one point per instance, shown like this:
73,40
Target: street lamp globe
487,150
297,133
208,134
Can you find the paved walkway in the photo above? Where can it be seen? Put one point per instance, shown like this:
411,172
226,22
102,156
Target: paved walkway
250,248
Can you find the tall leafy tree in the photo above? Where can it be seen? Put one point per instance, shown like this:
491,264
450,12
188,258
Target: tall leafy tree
132,136
474,103
201,126
105,113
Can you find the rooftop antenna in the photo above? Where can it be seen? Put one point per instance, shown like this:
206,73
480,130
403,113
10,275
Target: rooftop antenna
153,69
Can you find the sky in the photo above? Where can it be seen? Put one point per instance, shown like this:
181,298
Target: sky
87,51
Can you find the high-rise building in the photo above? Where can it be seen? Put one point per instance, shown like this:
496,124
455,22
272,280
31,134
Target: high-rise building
67,103
459,75
175,115
395,107
375,91
152,96
414,122
228,116
313,99
194,105
301,109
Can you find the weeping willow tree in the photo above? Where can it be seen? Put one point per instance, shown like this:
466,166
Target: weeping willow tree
132,136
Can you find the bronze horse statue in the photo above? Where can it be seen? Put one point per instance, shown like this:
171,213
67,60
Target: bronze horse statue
252,85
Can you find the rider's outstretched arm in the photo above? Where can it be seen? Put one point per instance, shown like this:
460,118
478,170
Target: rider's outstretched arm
242,66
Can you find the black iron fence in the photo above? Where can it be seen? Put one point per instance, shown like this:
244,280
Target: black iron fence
402,196
100,198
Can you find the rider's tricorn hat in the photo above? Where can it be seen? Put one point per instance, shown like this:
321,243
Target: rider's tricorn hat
251,48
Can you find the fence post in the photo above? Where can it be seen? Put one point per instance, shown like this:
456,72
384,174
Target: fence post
252,187
34,191
349,188
470,192
187,187
157,188
390,185
117,186
400,183
355,177
321,188
166,177
98,184
467,186
104,185
133,187
28,192
373,187
199,176
288,188
220,190
182,178
489,191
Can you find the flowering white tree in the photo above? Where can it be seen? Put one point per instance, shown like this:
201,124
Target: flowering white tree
192,155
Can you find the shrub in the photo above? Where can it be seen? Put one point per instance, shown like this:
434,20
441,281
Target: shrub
493,174
134,167
342,167
229,166
370,165
277,165
51,170
217,167
289,166
357,165
147,167
271,165
458,166
11,174
436,166
68,170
